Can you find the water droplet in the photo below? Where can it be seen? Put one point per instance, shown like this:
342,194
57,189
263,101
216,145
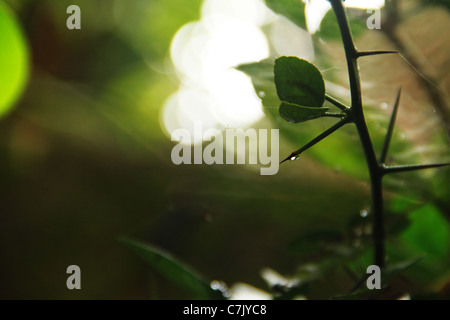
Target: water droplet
216,285
363,213
261,94
219,286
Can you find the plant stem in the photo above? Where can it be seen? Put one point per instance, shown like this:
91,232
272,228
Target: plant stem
387,140
396,169
357,113
294,155
336,102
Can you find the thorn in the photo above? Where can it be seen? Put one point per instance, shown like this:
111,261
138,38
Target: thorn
294,155
291,157
373,53
390,130
406,168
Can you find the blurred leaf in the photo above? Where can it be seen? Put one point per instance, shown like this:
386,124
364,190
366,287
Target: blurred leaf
394,269
361,294
157,20
13,59
262,76
386,276
294,10
329,28
173,270
299,82
401,205
429,231
294,113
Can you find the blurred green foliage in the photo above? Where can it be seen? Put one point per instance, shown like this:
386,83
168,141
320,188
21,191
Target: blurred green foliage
291,9
13,59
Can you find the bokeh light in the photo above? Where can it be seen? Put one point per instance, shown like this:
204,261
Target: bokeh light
204,54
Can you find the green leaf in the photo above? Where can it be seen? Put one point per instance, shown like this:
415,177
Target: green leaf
294,113
262,76
299,82
173,270
13,59
329,28
294,10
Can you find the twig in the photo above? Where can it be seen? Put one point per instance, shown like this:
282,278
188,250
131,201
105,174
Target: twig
294,155
396,169
390,131
357,112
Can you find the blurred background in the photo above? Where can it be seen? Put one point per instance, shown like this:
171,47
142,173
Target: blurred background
85,123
